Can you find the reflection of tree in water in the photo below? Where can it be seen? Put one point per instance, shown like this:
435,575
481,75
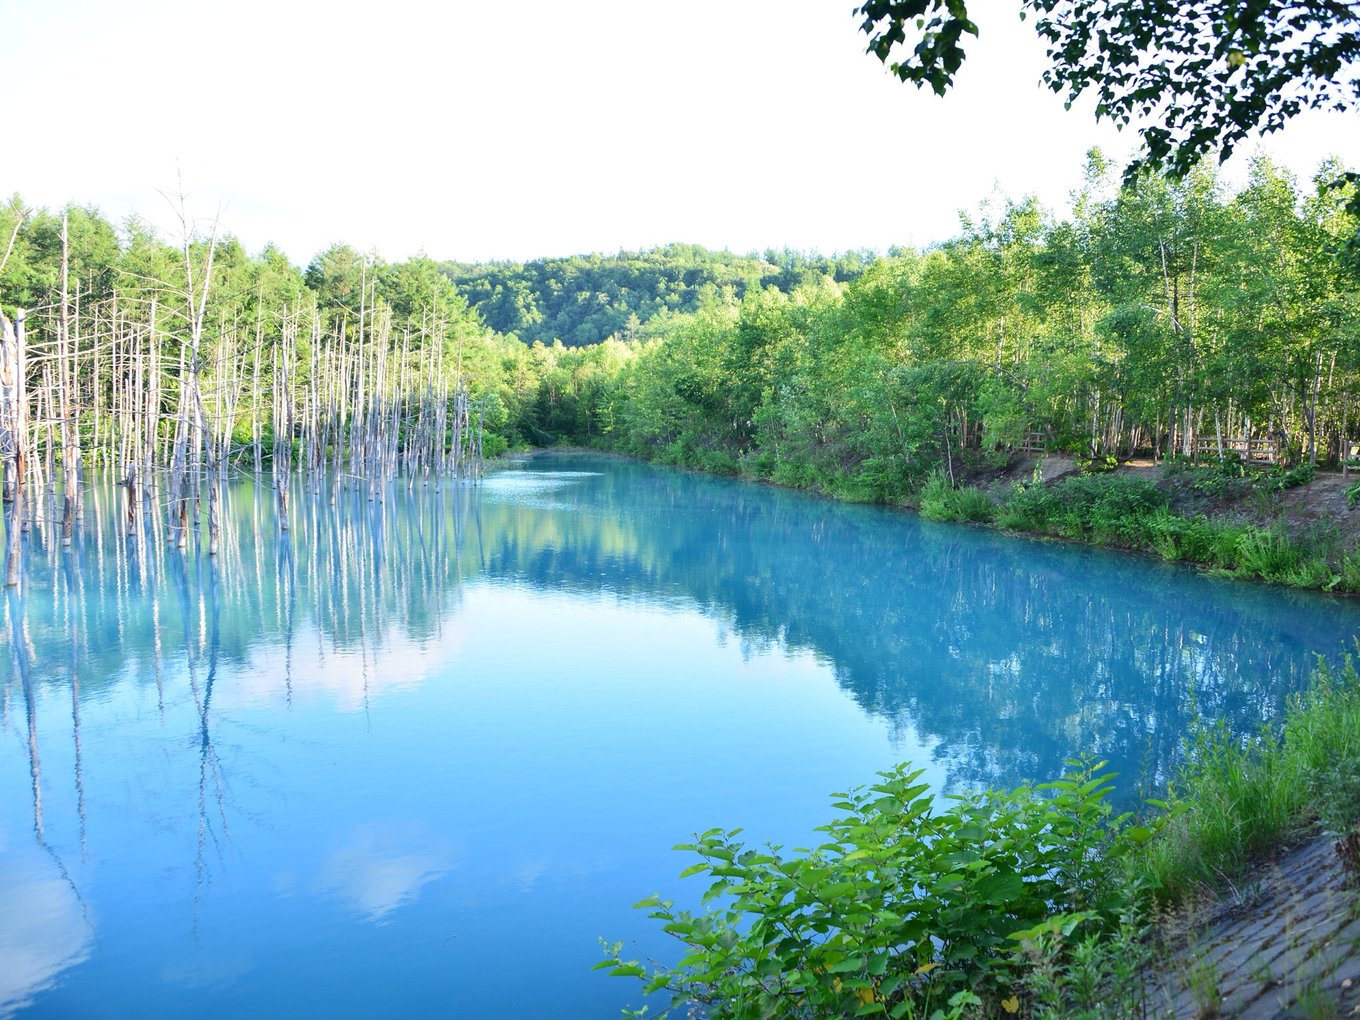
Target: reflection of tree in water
1007,655
45,927
213,826
1013,654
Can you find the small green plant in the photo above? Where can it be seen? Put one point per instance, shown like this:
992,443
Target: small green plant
1202,979
940,501
904,910
1352,495
1090,977
1300,474
973,506
1029,508
1267,554
1312,1001
1098,465
1262,973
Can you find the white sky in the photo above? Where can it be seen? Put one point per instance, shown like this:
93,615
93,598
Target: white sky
479,130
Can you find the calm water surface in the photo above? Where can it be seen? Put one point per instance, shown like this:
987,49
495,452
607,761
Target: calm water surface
415,757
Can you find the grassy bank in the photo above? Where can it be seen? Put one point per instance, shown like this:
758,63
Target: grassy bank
1126,512
1235,802
1029,903
1120,511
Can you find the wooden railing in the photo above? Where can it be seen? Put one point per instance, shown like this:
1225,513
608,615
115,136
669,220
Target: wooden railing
1253,451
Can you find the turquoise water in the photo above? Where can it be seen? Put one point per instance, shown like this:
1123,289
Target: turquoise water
416,757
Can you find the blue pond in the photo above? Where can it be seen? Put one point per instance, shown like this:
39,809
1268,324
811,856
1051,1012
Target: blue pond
416,756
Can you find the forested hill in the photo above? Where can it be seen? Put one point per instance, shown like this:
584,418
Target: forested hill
584,299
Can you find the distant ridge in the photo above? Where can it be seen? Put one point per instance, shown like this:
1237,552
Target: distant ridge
584,299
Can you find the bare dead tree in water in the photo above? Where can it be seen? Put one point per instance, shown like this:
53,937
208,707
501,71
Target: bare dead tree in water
68,357
13,438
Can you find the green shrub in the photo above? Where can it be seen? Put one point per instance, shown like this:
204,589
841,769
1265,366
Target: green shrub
757,463
1349,577
939,501
973,506
1312,572
1110,497
935,497
1113,509
1300,474
715,461
674,453
494,444
1225,544
1174,537
1097,465
902,909
1031,508
1269,555
878,479
794,473
1081,975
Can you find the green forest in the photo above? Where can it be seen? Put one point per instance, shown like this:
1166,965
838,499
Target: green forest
587,299
1170,317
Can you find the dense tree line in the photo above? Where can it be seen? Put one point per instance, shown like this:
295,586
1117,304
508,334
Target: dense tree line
1158,317
586,299
264,339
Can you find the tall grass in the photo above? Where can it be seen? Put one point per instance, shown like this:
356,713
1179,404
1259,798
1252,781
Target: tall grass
1234,801
1131,513
940,501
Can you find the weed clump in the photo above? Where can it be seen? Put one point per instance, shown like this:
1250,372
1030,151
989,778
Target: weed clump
940,501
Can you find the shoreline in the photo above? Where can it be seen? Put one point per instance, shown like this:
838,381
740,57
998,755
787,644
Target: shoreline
1340,583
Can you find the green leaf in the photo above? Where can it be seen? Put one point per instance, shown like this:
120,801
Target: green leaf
1138,834
851,964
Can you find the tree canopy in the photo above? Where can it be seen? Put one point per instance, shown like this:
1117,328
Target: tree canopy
584,299
1204,74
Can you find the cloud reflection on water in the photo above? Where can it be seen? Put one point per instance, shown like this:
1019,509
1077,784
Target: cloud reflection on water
380,869
43,929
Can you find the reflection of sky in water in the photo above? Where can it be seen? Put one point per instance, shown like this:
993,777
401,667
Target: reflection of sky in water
377,869
532,488
371,769
43,927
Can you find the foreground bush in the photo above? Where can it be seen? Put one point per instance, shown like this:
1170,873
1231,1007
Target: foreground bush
906,910
1026,903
